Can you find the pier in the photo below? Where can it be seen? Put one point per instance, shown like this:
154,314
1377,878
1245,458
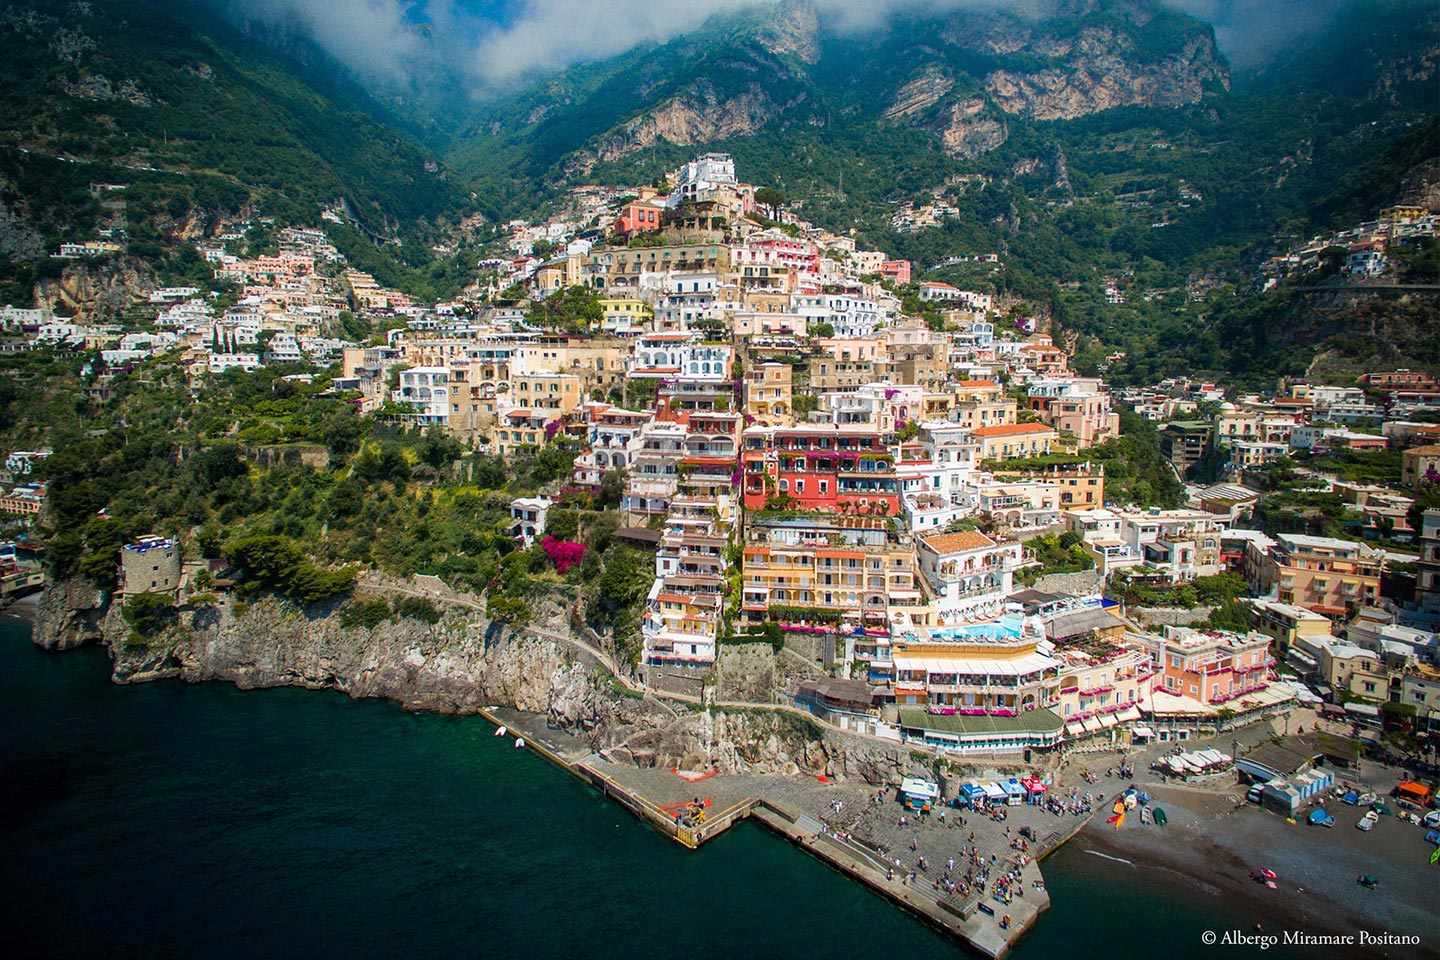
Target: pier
776,802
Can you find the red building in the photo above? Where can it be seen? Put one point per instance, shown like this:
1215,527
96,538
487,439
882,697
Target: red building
897,271
820,467
639,216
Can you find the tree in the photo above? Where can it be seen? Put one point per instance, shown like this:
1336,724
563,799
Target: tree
574,309
437,448
612,490
771,199
147,612
822,330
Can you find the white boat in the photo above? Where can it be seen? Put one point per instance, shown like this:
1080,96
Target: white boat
519,742
501,732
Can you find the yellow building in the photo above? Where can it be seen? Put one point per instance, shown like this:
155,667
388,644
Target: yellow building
556,393
1329,576
625,316
768,394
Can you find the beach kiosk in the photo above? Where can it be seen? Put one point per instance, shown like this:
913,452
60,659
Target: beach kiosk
994,793
918,794
972,795
1035,789
1014,793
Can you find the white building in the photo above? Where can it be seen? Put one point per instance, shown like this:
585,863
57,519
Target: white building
529,515
426,391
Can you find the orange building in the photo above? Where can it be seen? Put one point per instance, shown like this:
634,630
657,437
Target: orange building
1211,666
639,216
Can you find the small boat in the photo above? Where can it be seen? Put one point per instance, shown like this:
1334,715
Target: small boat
501,732
1365,799
1160,818
1381,808
1433,837
1267,873
519,742
1432,819
1351,798
1319,818
1368,821
1367,881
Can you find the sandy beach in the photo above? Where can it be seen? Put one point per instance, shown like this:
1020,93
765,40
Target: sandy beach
1214,840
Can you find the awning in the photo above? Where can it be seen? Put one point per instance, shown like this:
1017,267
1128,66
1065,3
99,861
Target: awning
1140,730
1129,714
1074,729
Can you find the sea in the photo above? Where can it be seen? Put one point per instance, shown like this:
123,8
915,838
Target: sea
176,820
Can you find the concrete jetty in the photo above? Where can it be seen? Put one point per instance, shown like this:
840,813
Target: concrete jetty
654,795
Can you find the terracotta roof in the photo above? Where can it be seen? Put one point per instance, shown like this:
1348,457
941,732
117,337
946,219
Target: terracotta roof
1429,450
1012,430
953,542
977,383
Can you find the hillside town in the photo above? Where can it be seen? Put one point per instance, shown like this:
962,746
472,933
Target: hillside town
900,481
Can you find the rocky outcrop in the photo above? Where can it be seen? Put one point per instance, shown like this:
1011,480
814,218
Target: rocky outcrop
920,94
70,614
971,130
87,291
454,666
791,30
457,666
1097,77
700,115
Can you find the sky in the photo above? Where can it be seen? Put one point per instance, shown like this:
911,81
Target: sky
491,44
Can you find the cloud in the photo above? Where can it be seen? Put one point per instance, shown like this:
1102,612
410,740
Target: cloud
378,39
1252,32
494,43
551,34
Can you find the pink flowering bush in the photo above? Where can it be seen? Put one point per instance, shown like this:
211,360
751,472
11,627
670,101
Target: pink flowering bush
563,553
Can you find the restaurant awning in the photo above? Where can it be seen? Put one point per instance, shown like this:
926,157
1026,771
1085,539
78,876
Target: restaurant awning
1140,730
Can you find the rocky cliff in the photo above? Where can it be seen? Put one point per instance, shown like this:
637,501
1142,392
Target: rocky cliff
1098,77
91,292
457,666
70,614
701,115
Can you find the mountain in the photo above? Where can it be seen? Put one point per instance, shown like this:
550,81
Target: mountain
948,85
1106,125
198,121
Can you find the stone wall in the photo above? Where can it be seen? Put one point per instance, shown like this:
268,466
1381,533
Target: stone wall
746,672
1168,616
1073,584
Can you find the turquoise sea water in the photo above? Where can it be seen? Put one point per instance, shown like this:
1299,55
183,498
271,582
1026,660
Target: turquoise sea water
169,820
